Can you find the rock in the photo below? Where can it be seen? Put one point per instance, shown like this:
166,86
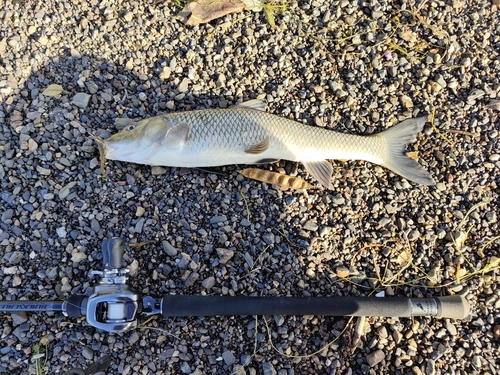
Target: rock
88,353
19,317
78,256
239,370
185,368
218,219
268,369
15,258
128,16
81,100
169,249
375,357
64,192
224,255
208,283
165,73
158,171
183,86
228,358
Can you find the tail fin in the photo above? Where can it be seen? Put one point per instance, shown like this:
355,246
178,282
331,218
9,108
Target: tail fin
396,139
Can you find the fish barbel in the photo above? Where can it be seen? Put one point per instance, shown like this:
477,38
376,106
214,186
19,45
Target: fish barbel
246,134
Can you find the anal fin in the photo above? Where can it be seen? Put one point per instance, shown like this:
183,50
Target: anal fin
321,171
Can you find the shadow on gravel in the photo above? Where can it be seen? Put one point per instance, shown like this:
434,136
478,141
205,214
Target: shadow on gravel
210,232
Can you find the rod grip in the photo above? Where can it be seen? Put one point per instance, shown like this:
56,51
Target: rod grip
453,307
448,307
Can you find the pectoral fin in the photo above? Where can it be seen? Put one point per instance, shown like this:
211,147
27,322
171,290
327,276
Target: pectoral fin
321,171
176,136
259,147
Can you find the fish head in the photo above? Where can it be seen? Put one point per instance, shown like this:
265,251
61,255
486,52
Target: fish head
136,142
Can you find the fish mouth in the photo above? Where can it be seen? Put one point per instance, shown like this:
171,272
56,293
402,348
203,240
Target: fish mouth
102,152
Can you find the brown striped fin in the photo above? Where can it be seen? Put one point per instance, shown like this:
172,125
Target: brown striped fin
274,178
259,147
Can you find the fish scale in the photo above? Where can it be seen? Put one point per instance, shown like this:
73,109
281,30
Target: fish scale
245,134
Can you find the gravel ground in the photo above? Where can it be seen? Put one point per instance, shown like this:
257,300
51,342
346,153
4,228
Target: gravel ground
356,67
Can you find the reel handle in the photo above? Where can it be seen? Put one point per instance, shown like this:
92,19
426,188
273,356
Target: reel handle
112,252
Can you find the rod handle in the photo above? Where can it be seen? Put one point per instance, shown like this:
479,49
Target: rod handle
453,307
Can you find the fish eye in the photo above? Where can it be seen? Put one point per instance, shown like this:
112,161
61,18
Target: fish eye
130,127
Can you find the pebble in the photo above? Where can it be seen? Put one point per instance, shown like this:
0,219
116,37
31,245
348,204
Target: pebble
18,318
128,16
268,369
65,191
88,353
208,283
228,357
169,249
158,171
77,257
218,219
15,258
81,100
375,357
224,255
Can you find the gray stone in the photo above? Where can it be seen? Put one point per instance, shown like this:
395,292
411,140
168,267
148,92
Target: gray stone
66,189
169,249
224,255
81,100
228,357
218,219
268,368
19,317
208,283
88,353
15,258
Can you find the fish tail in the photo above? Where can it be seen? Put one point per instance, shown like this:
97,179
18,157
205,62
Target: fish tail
396,139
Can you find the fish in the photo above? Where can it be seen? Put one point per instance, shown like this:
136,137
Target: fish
247,134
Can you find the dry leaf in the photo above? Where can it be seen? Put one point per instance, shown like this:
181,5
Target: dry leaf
408,35
274,178
404,258
207,10
255,5
52,90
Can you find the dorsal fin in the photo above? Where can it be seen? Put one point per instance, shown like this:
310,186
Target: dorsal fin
257,104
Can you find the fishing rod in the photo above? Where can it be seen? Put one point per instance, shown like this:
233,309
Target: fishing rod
113,306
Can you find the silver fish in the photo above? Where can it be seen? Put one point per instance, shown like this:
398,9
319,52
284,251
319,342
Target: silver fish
246,134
